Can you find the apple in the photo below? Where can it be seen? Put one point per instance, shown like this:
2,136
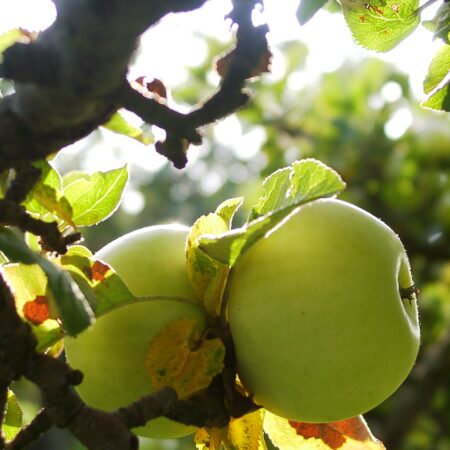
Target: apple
151,261
111,354
320,328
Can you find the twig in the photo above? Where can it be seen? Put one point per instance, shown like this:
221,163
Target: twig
26,177
156,113
13,214
68,80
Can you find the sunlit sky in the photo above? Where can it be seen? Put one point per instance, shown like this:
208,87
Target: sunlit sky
326,35
176,43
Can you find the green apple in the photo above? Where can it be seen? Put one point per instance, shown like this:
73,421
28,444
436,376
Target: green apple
151,261
111,354
316,313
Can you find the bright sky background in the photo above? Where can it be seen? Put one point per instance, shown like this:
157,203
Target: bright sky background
326,35
176,43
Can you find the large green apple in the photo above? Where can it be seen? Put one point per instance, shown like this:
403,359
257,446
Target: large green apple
316,313
111,354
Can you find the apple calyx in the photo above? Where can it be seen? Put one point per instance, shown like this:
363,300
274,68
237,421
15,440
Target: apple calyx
409,293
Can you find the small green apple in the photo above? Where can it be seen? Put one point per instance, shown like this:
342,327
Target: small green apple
320,327
111,354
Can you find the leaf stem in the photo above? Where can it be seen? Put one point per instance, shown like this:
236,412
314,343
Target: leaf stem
424,6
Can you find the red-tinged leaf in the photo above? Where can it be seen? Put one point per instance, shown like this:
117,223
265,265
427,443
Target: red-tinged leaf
350,434
151,88
99,270
224,63
37,310
323,431
157,87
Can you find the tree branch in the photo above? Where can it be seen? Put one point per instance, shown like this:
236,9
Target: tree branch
31,432
69,79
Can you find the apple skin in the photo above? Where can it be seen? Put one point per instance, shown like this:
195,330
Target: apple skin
111,354
320,330
151,261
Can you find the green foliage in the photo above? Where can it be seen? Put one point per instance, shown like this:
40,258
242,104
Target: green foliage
119,124
68,303
340,120
101,285
95,197
438,70
440,24
77,200
284,190
74,286
381,24
46,199
440,100
13,418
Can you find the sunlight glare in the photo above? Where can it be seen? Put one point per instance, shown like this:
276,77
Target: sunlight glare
32,15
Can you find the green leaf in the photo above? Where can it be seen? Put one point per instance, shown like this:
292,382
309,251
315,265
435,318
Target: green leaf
284,190
14,247
13,417
381,24
71,305
303,180
100,284
440,100
95,197
438,70
118,124
73,308
275,188
228,208
3,258
47,197
226,248
307,9
440,24
53,202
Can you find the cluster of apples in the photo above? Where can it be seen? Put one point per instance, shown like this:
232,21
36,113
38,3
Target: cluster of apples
317,311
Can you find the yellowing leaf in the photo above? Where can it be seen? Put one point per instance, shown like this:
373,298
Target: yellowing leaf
202,270
28,283
180,358
54,201
210,438
202,439
246,433
350,434
207,276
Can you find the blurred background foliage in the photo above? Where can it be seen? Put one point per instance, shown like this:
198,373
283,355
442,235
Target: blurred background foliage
363,121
